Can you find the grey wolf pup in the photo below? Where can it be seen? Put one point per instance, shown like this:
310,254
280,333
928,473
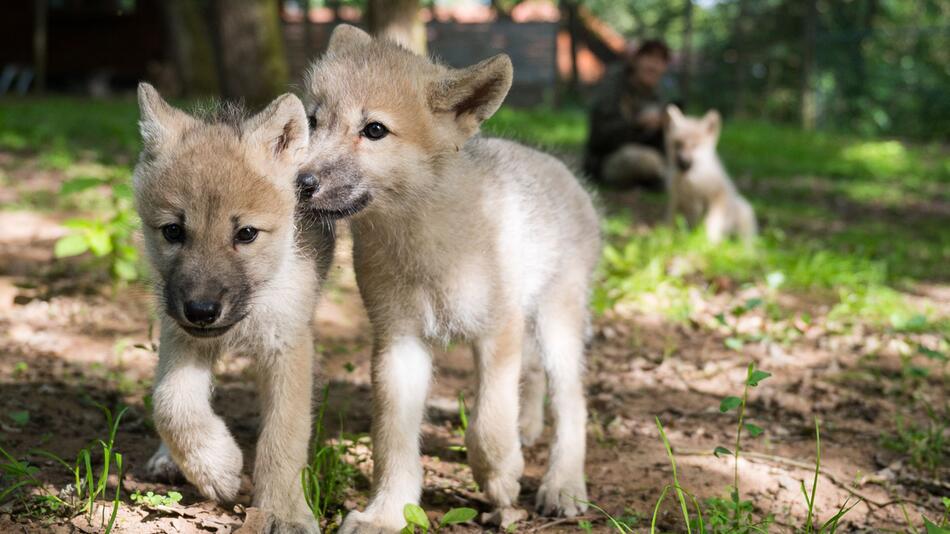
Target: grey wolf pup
697,182
454,237
234,274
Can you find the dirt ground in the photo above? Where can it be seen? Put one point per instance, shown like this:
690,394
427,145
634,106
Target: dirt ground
68,340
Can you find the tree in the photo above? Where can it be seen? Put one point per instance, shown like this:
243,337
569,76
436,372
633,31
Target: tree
807,96
397,20
687,51
250,49
191,47
230,47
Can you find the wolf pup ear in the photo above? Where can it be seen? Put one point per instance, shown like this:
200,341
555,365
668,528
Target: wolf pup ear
473,94
159,123
672,115
346,36
280,132
713,121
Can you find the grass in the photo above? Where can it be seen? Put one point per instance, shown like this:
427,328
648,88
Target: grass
327,475
89,485
732,515
846,219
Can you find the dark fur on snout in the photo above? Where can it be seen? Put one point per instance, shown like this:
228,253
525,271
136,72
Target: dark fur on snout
340,189
189,280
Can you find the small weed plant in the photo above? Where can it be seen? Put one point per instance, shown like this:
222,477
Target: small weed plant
416,518
732,514
153,500
327,475
89,484
463,424
108,237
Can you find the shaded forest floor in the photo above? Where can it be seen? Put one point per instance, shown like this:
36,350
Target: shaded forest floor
846,301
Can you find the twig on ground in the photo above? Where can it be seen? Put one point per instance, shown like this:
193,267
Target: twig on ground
788,462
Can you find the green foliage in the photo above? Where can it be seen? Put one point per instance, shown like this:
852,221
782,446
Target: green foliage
878,65
722,516
109,236
463,424
152,499
924,443
327,475
71,128
732,514
416,518
89,484
798,182
543,127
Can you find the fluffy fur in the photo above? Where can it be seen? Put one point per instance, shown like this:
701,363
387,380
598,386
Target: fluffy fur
211,179
455,237
699,187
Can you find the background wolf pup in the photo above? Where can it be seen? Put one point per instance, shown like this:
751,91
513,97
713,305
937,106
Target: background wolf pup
217,201
697,183
454,237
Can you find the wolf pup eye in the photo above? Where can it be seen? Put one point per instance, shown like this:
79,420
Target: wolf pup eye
375,131
246,235
173,233
312,122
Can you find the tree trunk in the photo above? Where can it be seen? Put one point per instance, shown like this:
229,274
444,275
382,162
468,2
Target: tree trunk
250,49
687,54
740,39
397,20
39,43
191,46
501,10
807,95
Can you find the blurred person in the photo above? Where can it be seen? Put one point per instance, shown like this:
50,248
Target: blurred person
625,144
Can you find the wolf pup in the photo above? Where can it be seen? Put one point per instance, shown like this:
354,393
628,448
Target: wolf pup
233,273
454,236
697,183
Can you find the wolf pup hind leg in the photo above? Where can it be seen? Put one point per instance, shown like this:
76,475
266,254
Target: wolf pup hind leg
455,236
235,274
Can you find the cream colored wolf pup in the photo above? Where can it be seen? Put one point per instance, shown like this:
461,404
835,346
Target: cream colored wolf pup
454,236
233,273
697,182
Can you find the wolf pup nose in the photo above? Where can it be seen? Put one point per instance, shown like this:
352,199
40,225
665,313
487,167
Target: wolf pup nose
202,312
307,185
236,273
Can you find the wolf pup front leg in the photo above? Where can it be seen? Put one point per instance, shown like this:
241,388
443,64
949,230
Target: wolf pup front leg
196,437
235,274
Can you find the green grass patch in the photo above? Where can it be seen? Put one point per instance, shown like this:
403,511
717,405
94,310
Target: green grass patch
64,129
852,219
542,127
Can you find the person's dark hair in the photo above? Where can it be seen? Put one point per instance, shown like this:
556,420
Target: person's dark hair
653,47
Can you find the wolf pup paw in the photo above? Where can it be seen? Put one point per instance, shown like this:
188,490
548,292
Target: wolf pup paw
216,472
364,523
567,498
279,526
260,522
